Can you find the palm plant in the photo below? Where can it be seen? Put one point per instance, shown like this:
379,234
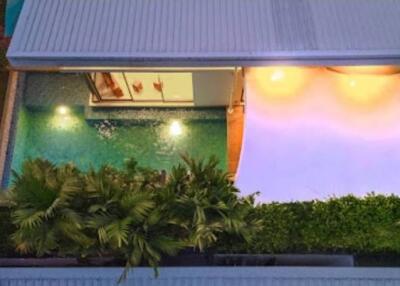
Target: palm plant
42,200
126,218
130,213
207,203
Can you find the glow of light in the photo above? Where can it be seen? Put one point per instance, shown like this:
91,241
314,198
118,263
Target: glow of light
175,128
277,75
63,119
62,110
367,70
352,83
280,83
64,122
365,90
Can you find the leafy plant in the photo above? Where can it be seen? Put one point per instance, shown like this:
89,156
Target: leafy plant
207,204
367,225
136,215
41,202
131,213
128,221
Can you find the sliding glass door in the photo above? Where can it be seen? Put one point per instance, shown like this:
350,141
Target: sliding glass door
141,88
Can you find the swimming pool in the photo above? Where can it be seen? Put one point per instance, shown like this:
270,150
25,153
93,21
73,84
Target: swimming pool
13,9
90,137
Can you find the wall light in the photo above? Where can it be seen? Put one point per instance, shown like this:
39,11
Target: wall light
175,128
280,82
352,82
63,119
277,75
366,70
62,110
366,85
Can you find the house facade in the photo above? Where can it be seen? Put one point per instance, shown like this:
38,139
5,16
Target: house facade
308,89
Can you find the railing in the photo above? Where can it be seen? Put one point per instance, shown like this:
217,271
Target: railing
204,276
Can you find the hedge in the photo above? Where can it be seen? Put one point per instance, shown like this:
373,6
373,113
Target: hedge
6,228
367,225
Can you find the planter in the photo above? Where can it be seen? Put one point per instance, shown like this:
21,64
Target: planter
38,262
187,260
60,262
283,260
193,259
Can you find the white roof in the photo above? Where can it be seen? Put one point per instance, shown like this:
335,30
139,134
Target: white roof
205,32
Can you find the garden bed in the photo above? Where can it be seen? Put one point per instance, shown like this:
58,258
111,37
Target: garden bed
190,217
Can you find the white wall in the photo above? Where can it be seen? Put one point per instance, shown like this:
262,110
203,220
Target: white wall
319,141
212,88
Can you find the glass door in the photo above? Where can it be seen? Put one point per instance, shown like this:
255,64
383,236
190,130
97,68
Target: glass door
141,88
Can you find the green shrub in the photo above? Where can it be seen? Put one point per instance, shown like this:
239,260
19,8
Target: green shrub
367,225
202,198
6,227
44,202
139,216
132,213
126,219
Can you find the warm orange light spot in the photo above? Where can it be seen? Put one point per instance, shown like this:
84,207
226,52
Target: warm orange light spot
280,82
365,89
368,70
352,83
277,75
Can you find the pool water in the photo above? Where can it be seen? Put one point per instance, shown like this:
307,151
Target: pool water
44,132
13,9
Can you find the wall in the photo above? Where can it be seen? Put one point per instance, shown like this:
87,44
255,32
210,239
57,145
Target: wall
212,88
311,134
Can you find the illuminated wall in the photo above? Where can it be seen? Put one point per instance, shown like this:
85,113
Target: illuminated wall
313,133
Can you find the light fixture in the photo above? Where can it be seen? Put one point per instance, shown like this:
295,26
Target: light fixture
62,110
364,89
280,83
175,128
366,70
352,83
63,119
277,75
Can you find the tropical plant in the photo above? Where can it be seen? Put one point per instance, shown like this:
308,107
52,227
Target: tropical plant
207,203
126,218
41,201
132,213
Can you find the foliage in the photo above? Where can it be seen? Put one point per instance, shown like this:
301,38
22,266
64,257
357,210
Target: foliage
126,217
368,225
132,213
41,201
6,227
139,216
207,203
